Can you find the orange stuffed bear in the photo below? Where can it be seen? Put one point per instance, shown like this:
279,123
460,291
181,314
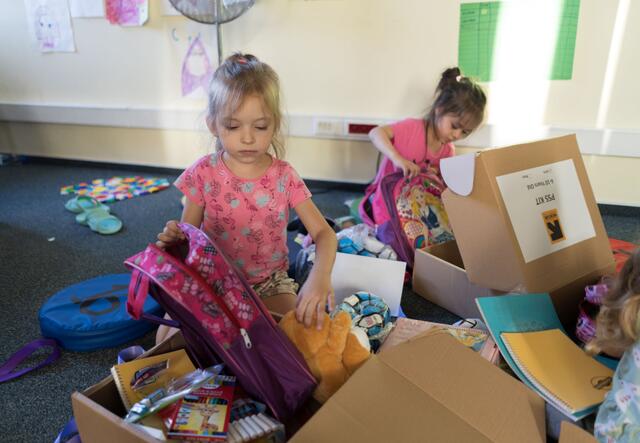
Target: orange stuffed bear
332,353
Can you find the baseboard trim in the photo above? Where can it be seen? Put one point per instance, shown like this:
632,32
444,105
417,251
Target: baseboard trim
322,185
99,164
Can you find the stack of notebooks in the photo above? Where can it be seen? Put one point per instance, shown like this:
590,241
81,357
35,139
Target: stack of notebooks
529,334
476,339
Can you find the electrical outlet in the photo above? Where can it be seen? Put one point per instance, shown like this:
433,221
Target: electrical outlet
328,127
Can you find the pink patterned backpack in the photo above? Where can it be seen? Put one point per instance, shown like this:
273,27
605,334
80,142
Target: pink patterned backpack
221,318
417,216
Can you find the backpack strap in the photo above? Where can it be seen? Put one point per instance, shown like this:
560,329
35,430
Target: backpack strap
7,369
138,291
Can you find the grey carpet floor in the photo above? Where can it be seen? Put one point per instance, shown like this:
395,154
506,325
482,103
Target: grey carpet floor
43,250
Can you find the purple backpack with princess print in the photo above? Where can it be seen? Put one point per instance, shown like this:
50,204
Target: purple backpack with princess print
221,318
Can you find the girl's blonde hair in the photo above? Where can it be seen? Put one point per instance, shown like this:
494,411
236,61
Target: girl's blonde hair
238,77
617,321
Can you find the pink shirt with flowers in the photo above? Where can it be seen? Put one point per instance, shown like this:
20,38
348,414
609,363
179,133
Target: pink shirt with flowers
246,218
410,140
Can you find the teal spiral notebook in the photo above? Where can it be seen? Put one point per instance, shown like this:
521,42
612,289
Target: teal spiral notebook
522,313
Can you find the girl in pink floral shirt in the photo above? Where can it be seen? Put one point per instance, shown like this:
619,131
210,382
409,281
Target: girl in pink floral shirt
241,195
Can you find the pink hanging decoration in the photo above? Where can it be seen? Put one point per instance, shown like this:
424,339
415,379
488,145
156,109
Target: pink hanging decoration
126,12
196,68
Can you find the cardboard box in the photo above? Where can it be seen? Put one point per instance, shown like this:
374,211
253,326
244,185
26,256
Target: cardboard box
439,276
525,220
98,410
430,388
570,433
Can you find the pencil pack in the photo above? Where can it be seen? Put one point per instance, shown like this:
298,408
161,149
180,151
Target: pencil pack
221,318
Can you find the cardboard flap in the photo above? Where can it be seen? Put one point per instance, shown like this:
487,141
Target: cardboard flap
452,374
458,173
570,433
428,389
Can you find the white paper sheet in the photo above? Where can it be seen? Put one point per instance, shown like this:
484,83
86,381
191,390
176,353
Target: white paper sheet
547,208
86,8
50,25
384,278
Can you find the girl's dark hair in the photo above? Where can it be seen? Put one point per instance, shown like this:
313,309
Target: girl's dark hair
239,76
617,322
457,95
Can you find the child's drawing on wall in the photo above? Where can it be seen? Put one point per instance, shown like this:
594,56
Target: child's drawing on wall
51,25
196,68
127,12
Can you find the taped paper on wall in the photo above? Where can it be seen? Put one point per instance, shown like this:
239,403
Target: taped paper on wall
50,25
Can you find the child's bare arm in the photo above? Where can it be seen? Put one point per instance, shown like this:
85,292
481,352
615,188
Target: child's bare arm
381,137
317,290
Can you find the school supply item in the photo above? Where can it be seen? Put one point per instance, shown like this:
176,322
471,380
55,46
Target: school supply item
116,188
173,391
256,428
476,339
562,372
203,415
221,318
137,379
417,216
523,313
92,314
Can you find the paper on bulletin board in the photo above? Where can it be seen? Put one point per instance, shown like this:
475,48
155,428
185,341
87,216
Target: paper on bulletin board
547,208
127,13
50,25
384,278
479,27
196,69
86,8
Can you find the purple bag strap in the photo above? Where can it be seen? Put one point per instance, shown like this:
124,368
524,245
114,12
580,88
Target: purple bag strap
138,291
7,369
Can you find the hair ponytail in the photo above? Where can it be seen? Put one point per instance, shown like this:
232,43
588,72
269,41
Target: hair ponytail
458,95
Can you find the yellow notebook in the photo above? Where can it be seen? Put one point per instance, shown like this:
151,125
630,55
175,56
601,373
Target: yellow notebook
558,368
138,378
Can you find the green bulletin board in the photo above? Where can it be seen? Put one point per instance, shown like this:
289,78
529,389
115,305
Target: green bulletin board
478,26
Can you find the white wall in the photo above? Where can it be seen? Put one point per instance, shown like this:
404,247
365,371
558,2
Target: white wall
374,60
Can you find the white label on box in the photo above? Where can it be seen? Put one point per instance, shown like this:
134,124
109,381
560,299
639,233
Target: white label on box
547,208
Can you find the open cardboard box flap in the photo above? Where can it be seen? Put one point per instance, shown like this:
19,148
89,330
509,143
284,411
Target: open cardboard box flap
525,220
491,194
570,433
430,387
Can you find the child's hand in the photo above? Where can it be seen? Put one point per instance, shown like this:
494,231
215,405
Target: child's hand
171,234
409,168
312,300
